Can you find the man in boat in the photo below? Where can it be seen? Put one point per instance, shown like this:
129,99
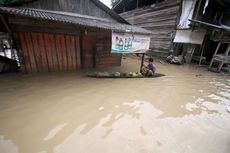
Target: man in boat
150,69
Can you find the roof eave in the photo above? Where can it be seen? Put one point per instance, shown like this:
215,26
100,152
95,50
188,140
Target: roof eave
69,19
110,11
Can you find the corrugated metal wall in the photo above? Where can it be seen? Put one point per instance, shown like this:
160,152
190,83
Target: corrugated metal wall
160,19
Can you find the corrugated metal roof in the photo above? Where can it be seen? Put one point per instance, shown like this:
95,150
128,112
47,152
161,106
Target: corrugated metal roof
73,18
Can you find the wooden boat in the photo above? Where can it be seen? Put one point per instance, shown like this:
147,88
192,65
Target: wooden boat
122,75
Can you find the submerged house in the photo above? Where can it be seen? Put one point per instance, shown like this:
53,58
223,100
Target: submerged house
159,16
64,35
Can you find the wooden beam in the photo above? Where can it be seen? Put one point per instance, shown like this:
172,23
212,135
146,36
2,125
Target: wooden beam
81,41
142,62
94,55
5,24
196,15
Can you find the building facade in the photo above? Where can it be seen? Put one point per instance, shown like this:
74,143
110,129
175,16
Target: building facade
159,16
59,36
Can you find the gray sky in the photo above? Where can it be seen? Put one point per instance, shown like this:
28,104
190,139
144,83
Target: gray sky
107,2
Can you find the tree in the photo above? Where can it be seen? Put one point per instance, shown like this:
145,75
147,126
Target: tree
8,1
14,2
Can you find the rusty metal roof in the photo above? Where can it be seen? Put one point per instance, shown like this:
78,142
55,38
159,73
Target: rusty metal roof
73,18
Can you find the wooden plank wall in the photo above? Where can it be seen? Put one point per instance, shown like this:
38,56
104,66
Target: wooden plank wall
161,20
46,52
104,57
86,7
88,51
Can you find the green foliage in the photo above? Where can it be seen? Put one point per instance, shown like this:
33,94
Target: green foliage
1,2
7,1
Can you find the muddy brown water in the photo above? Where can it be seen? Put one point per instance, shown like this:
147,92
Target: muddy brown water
183,112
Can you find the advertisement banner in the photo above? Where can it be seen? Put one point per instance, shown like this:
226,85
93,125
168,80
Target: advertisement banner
129,43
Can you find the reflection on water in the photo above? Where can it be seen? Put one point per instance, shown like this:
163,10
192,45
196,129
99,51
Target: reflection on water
54,131
7,146
183,112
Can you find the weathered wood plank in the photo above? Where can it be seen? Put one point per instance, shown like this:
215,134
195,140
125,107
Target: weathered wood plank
159,24
59,52
64,52
73,52
53,51
70,50
42,50
161,13
155,20
77,52
30,51
163,5
37,52
88,51
49,50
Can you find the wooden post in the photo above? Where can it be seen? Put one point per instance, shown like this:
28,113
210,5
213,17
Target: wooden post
225,55
142,61
196,15
217,48
94,54
202,52
81,41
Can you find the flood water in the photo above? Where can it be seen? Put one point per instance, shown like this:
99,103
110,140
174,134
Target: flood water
183,112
